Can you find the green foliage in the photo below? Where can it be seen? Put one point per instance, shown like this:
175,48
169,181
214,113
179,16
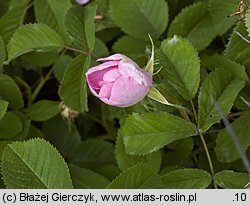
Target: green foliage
195,23
132,47
93,153
232,180
60,66
140,176
12,18
43,110
86,179
100,49
247,22
3,108
33,37
155,130
2,52
34,164
220,10
26,124
125,160
170,139
36,61
186,179
222,87
139,18
237,48
10,125
52,13
184,74
182,148
79,24
10,92
104,11
225,148
73,90
236,70
65,137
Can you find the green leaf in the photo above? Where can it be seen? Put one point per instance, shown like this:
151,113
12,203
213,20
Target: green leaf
109,171
223,88
181,66
2,147
215,61
10,125
79,24
131,47
34,164
182,148
73,90
232,180
225,148
34,132
155,130
2,52
60,66
25,127
3,7
35,60
10,92
86,179
43,110
243,98
139,18
237,49
102,8
100,49
3,108
197,28
169,169
141,176
247,21
186,179
220,10
33,37
93,153
108,34
12,19
52,13
14,3
125,160
65,137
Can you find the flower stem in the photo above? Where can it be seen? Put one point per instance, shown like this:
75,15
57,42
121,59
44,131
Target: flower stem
204,145
237,114
81,51
42,81
25,85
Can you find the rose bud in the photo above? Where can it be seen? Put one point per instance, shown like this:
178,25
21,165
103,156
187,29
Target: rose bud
82,2
119,81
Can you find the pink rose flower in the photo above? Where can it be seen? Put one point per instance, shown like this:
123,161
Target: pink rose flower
82,2
119,81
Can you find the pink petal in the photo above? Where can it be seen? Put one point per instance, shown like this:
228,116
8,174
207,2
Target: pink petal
112,75
102,83
105,91
129,68
115,57
96,77
126,92
102,66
